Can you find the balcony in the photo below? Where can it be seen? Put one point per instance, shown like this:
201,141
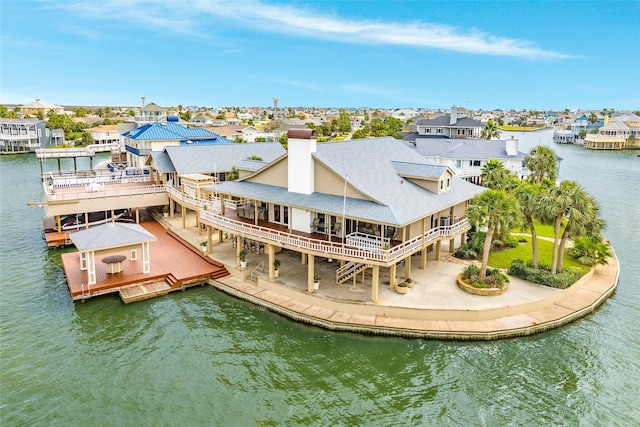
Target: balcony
360,246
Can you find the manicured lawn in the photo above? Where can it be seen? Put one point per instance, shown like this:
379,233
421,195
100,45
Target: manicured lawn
503,259
520,128
543,230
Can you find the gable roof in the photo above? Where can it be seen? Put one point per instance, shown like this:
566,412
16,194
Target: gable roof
476,149
415,170
445,121
220,158
369,166
162,162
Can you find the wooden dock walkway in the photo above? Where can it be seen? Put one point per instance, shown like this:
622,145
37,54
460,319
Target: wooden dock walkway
174,262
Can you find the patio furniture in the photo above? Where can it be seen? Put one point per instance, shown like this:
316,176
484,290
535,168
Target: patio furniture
114,263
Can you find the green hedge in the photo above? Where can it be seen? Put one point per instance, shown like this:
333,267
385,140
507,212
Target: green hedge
543,277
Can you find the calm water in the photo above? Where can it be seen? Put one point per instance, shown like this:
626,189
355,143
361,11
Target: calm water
204,358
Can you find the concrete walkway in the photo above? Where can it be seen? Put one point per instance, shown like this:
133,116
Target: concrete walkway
434,307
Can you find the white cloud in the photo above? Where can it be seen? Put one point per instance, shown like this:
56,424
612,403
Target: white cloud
187,16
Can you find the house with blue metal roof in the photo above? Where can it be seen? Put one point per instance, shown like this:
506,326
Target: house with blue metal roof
371,204
141,141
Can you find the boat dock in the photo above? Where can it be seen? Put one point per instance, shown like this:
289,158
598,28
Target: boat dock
175,265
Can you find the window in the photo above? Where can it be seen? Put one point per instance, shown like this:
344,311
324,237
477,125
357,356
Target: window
46,131
458,163
39,133
448,182
441,185
474,162
439,130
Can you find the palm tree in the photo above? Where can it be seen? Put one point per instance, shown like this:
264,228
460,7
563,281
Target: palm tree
583,219
542,162
497,210
529,196
568,201
495,176
490,130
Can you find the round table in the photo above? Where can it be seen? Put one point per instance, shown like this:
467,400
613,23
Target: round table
114,263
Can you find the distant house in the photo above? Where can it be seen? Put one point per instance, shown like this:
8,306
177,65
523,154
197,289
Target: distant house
40,107
449,126
140,142
104,134
466,157
23,135
616,134
151,113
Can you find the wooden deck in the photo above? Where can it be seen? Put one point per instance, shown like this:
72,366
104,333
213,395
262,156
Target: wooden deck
172,261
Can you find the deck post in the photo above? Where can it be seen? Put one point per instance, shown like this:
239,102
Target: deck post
83,261
423,258
375,280
239,248
438,245
91,268
271,250
310,273
407,267
146,263
86,220
452,244
392,276
59,224
303,258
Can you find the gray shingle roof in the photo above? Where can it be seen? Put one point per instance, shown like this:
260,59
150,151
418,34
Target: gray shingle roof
445,121
110,235
162,161
477,149
368,166
419,170
219,158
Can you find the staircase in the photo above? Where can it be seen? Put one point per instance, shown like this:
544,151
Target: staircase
349,270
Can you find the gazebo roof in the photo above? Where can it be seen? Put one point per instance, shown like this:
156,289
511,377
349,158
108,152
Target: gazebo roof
110,235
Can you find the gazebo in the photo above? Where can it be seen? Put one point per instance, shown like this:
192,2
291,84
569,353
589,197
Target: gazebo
113,235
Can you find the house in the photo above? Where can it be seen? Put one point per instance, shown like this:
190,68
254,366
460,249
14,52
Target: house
40,107
215,161
151,113
466,157
141,141
449,126
104,134
23,135
370,204
619,133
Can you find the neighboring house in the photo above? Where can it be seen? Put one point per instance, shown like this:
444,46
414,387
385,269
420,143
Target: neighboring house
449,126
23,135
616,134
370,203
151,113
246,133
57,138
466,157
105,134
140,142
201,120
216,161
40,107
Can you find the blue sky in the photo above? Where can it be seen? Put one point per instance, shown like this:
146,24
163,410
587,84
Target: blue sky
428,54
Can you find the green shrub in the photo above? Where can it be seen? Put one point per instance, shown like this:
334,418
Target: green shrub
465,252
543,277
494,279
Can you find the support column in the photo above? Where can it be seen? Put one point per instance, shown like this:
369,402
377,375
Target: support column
146,260
113,216
209,239
83,261
137,215
239,248
220,236
91,268
407,267
423,258
183,209
438,245
59,223
86,220
198,220
271,250
172,209
303,258
310,273
452,244
392,276
375,281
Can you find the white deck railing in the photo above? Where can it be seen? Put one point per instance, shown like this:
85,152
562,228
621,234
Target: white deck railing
103,192
350,250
